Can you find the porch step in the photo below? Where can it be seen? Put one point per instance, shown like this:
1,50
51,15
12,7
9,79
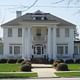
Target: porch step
41,66
39,60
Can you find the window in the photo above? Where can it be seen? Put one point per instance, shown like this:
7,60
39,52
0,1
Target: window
62,49
1,49
75,49
19,32
66,32
10,49
58,32
38,18
16,49
38,32
66,49
9,32
79,49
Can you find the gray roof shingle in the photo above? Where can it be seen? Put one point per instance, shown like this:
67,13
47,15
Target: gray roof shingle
29,17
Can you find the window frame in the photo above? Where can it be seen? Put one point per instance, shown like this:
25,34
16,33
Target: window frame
67,32
64,52
58,32
19,32
9,32
13,49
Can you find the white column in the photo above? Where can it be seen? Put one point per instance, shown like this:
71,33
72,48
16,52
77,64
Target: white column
29,43
49,42
54,43
71,43
24,43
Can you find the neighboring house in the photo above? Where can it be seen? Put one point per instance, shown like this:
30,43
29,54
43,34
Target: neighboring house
38,35
76,49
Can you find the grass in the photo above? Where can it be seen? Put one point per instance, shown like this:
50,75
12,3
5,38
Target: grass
9,67
13,71
68,74
18,75
74,67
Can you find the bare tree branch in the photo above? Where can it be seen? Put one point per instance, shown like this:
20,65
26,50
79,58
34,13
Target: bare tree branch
58,1
31,5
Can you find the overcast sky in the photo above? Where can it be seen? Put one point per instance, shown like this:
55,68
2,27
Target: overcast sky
70,13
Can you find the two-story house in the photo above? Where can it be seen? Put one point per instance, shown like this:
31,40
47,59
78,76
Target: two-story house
38,35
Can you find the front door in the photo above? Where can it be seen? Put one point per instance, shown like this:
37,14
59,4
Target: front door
38,51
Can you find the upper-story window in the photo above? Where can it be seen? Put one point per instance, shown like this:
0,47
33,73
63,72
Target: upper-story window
39,18
58,32
9,32
19,32
66,32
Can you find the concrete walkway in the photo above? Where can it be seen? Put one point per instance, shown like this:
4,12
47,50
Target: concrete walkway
44,72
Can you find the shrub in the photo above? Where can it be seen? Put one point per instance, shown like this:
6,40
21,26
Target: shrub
12,60
3,60
62,67
56,63
69,61
77,61
26,66
20,60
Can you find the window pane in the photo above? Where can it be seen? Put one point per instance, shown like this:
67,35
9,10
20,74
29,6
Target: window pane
66,49
38,18
9,32
16,49
60,50
58,32
19,32
10,49
75,49
66,32
79,49
1,49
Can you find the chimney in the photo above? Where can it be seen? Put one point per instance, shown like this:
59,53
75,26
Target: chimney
18,13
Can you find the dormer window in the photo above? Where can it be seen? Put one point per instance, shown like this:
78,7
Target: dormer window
39,18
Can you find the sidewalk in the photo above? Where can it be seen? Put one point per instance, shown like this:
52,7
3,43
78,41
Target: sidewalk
46,71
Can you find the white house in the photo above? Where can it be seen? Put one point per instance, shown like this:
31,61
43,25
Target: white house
38,35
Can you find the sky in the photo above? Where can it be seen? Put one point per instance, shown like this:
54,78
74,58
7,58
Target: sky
67,12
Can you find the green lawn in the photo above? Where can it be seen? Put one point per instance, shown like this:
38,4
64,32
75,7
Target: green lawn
74,67
18,75
12,71
68,74
9,67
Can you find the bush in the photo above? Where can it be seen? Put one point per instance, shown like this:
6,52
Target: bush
3,60
77,61
56,63
69,61
20,60
12,61
26,66
62,67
